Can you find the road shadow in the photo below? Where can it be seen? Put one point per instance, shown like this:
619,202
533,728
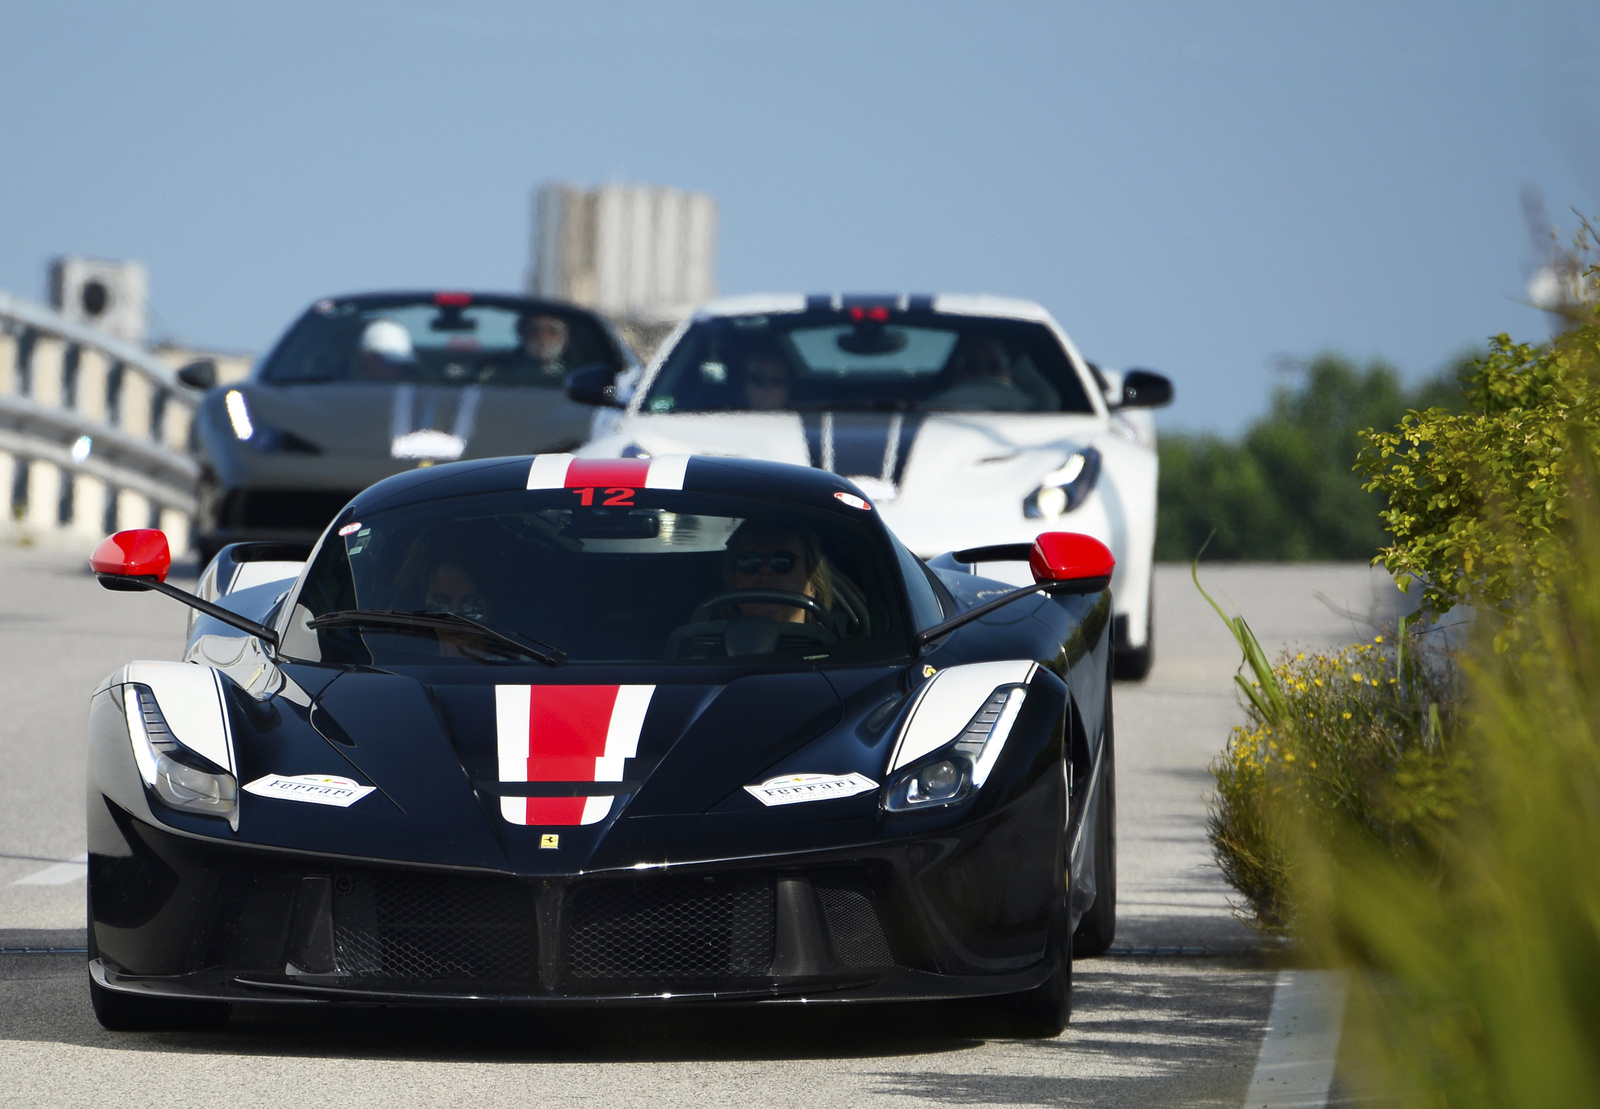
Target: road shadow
1131,1016
1186,1030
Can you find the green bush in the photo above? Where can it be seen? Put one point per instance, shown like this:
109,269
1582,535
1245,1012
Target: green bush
1476,499
1286,490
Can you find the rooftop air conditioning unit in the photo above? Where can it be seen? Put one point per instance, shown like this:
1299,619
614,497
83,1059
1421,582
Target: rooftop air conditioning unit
104,294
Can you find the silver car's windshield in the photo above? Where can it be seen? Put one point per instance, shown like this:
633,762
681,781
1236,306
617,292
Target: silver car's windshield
443,339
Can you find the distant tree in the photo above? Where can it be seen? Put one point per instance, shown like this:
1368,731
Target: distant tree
1288,490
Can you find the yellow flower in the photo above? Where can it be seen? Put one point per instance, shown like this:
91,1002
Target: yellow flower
1301,657
1316,681
1288,756
1357,678
1346,715
1377,639
1313,764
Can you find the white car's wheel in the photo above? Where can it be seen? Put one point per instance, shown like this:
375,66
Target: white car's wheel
1132,664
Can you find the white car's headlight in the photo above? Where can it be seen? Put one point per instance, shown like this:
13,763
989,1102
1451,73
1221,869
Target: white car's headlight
958,769
1064,488
179,776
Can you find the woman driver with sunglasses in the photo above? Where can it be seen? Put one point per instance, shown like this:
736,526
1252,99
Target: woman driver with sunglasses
766,555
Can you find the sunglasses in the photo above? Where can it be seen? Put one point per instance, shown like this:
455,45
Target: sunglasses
749,562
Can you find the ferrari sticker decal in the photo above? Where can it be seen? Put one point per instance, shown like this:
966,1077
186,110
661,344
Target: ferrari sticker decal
562,471
549,840
566,733
315,789
792,789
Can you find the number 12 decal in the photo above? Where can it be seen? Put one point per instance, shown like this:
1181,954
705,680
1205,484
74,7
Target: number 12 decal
618,497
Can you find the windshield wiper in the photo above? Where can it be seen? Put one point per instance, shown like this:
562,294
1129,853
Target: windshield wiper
444,621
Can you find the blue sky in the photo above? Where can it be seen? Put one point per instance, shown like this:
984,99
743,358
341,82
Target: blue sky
1205,189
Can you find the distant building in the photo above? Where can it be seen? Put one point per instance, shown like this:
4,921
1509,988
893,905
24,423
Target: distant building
111,295
644,255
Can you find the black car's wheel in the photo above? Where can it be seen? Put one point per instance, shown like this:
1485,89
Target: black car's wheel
1098,926
1042,1012
122,1012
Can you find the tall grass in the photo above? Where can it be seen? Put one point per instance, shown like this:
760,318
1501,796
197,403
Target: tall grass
1478,974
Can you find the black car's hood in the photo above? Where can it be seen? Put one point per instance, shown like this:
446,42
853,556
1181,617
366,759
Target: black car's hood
623,775
409,421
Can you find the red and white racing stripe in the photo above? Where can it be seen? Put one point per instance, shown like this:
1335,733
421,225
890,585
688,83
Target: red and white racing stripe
562,471
566,733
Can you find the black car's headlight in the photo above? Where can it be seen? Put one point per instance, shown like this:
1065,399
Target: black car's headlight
182,778
958,770
263,437
1065,487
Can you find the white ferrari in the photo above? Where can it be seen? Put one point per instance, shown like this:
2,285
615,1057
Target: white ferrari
968,421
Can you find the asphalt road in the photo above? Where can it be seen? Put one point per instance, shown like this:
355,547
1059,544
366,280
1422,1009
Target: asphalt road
1177,1016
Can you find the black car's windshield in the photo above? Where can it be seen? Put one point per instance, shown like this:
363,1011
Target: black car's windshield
449,339
606,575
883,359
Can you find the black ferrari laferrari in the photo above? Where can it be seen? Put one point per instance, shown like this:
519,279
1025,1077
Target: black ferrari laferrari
551,731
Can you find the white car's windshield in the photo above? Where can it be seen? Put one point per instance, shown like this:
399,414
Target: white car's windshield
867,358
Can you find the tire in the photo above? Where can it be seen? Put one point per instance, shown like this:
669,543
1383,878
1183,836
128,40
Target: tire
122,1012
1132,664
1098,927
1042,1012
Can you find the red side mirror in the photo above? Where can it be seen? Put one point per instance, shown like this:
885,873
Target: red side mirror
140,553
1066,556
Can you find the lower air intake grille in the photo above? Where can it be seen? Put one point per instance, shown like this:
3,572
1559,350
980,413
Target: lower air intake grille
254,923
402,926
853,926
676,929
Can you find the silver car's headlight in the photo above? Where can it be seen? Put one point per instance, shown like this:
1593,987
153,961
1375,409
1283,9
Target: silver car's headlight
182,778
958,770
1065,487
263,437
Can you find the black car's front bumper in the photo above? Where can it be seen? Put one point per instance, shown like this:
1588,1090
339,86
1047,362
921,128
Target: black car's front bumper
960,914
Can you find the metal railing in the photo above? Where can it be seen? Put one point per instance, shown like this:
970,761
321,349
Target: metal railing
94,431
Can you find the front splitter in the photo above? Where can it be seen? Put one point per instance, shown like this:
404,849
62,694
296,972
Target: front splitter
889,985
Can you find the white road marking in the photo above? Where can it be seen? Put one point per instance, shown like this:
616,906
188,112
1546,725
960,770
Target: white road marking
1295,1067
58,875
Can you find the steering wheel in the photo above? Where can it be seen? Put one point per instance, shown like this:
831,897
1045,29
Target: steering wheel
758,596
